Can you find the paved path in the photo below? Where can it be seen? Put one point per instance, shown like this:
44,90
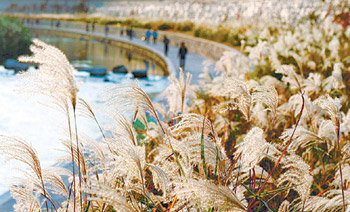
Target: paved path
194,62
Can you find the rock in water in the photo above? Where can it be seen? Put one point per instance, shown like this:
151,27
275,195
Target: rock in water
121,69
140,73
15,65
96,71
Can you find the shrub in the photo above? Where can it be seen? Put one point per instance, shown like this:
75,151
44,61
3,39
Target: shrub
15,39
184,26
203,32
221,34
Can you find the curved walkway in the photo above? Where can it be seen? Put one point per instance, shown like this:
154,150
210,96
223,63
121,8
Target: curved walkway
194,62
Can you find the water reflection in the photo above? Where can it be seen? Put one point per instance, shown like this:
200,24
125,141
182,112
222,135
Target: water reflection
101,53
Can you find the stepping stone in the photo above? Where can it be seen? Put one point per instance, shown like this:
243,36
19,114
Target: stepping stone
140,73
15,65
121,69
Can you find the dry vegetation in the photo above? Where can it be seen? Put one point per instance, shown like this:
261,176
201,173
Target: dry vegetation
268,133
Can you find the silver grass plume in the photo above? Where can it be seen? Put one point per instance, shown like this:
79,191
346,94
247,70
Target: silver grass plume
94,149
205,194
53,175
124,127
193,123
260,116
289,76
251,150
297,174
346,174
305,139
284,207
331,107
36,177
126,160
78,155
164,158
268,80
233,64
239,94
26,200
178,92
190,147
330,201
160,178
313,84
130,98
335,81
267,96
163,111
56,80
345,124
311,112
111,198
84,109
55,76
198,140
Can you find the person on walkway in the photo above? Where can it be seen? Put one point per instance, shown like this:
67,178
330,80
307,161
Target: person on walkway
93,26
153,67
129,56
106,29
128,32
131,33
182,54
155,36
58,24
146,64
87,27
148,35
166,42
122,31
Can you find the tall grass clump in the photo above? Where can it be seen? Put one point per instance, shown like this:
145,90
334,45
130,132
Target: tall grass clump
268,132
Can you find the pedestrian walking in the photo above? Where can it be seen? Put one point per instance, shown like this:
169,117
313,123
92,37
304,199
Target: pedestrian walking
129,56
146,64
153,67
128,32
155,36
131,33
58,24
93,26
87,27
166,42
182,54
122,31
106,29
148,35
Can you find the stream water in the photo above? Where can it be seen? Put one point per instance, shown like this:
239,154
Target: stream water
30,119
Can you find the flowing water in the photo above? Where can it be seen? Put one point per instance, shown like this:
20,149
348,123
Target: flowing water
98,53
30,117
